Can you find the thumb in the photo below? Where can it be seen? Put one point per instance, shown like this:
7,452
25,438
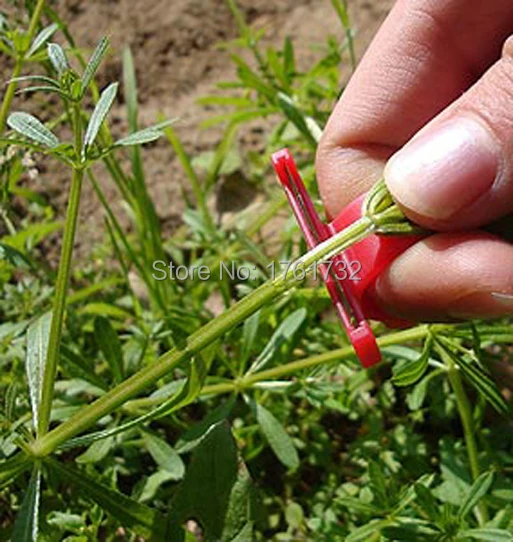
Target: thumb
457,172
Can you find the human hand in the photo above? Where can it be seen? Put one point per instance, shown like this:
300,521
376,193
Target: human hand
434,85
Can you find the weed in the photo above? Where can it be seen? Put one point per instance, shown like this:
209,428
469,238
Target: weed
255,392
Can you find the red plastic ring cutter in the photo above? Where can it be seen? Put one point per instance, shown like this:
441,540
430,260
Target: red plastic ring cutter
372,256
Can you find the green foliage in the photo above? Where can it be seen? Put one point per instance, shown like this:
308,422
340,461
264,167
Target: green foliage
26,528
264,431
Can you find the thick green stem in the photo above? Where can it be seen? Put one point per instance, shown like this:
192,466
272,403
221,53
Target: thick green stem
18,66
467,421
198,340
59,304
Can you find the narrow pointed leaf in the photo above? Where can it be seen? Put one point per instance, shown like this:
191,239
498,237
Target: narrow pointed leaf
99,114
412,371
36,79
146,135
187,393
47,88
484,384
478,490
487,535
249,334
38,335
33,128
164,455
94,63
144,520
42,38
277,437
283,333
13,467
97,452
13,256
58,58
109,344
26,527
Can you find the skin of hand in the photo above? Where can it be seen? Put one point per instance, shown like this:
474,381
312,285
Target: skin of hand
431,105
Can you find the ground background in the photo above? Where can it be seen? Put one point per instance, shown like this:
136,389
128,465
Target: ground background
177,60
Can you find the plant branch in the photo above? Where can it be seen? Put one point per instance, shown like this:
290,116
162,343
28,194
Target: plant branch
199,340
62,284
244,383
18,66
469,430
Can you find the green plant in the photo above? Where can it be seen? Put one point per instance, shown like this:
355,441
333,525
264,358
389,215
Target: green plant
258,388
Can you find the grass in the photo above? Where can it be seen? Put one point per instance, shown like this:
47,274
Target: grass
140,413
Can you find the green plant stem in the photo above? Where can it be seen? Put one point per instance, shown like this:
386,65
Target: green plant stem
59,304
399,337
18,66
199,340
9,94
197,189
469,430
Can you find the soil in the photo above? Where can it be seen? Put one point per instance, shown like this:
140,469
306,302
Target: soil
175,48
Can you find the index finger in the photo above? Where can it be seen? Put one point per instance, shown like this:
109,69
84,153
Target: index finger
425,55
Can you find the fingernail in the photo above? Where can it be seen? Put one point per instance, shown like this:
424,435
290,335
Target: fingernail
444,169
483,305
506,299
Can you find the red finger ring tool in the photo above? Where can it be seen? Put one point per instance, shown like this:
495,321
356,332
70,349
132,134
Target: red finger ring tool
373,255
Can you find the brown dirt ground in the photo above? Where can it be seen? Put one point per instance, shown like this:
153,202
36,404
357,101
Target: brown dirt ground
177,60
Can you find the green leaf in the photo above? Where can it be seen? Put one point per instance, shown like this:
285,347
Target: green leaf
33,128
130,89
482,382
478,490
58,58
216,490
99,114
49,88
13,467
289,61
13,256
26,526
302,122
41,79
97,452
417,395
146,135
164,455
378,482
294,515
93,64
277,437
408,529
413,371
283,333
144,520
427,501
38,335
249,334
363,533
188,393
42,38
109,344
193,436
490,535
